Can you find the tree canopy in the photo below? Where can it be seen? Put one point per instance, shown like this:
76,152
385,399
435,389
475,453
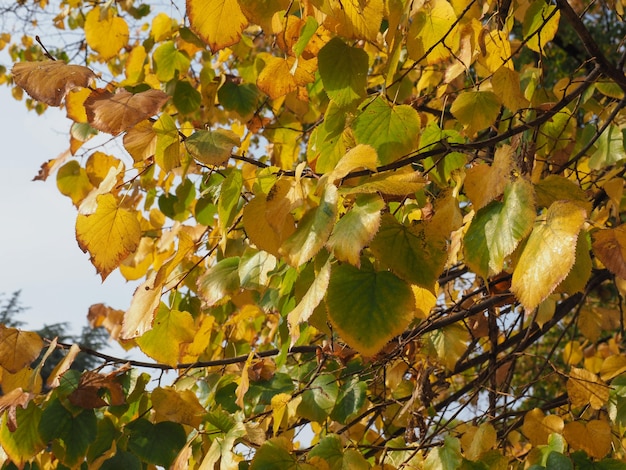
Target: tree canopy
367,233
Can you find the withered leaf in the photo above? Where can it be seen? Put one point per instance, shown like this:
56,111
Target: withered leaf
114,113
49,81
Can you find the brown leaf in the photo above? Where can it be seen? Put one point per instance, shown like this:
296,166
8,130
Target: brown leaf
92,387
114,113
49,81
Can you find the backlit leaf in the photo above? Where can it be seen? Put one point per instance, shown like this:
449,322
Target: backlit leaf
138,318
24,442
179,406
72,181
330,449
368,308
105,32
117,112
355,18
218,23
219,281
313,230
169,61
446,457
584,388
396,183
450,344
356,229
477,110
319,400
212,147
609,148
555,188
109,235
538,30
409,253
18,348
171,329
537,426
430,24
497,229
483,182
50,81
548,255
266,236
391,129
344,79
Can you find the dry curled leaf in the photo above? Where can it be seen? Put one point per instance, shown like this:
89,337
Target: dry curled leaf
114,113
49,81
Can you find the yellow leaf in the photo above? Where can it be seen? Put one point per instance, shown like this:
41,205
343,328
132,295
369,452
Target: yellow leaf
177,406
18,348
201,340
279,410
162,27
425,300
612,367
244,382
75,104
50,81
309,301
359,157
594,437
430,24
218,23
117,112
540,25
572,353
354,18
537,426
109,235
477,440
609,245
450,342
497,51
27,379
138,318
170,330
506,84
548,255
483,183
105,33
72,181
257,225
134,67
397,183
140,141
476,110
584,388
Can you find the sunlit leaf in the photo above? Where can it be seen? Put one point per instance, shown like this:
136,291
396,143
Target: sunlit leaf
169,61
548,255
50,81
212,147
109,234
484,183
584,388
356,229
476,109
117,112
540,25
537,426
220,280
391,129
368,308
179,406
105,32
171,329
430,24
24,442
450,344
218,23
72,181
344,80
354,18
332,451
445,457
18,348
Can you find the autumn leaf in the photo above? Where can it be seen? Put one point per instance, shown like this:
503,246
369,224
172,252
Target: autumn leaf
609,245
50,81
548,255
594,437
114,113
18,348
537,426
109,234
105,32
584,388
218,23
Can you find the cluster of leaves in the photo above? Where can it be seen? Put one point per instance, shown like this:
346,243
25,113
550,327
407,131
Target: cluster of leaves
392,226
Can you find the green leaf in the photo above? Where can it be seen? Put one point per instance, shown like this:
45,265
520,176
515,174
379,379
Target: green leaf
319,399
167,153
169,61
186,98
450,343
409,252
558,461
221,280
368,308
476,110
331,450
392,130
72,181
537,29
230,193
122,459
313,230
171,329
276,454
70,434
212,147
306,33
158,444
351,399
344,72
327,143
240,98
24,442
609,148
446,457
498,228
548,255
558,188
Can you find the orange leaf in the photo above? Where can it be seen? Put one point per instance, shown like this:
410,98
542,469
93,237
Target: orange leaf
115,113
538,427
18,348
49,81
593,437
610,247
